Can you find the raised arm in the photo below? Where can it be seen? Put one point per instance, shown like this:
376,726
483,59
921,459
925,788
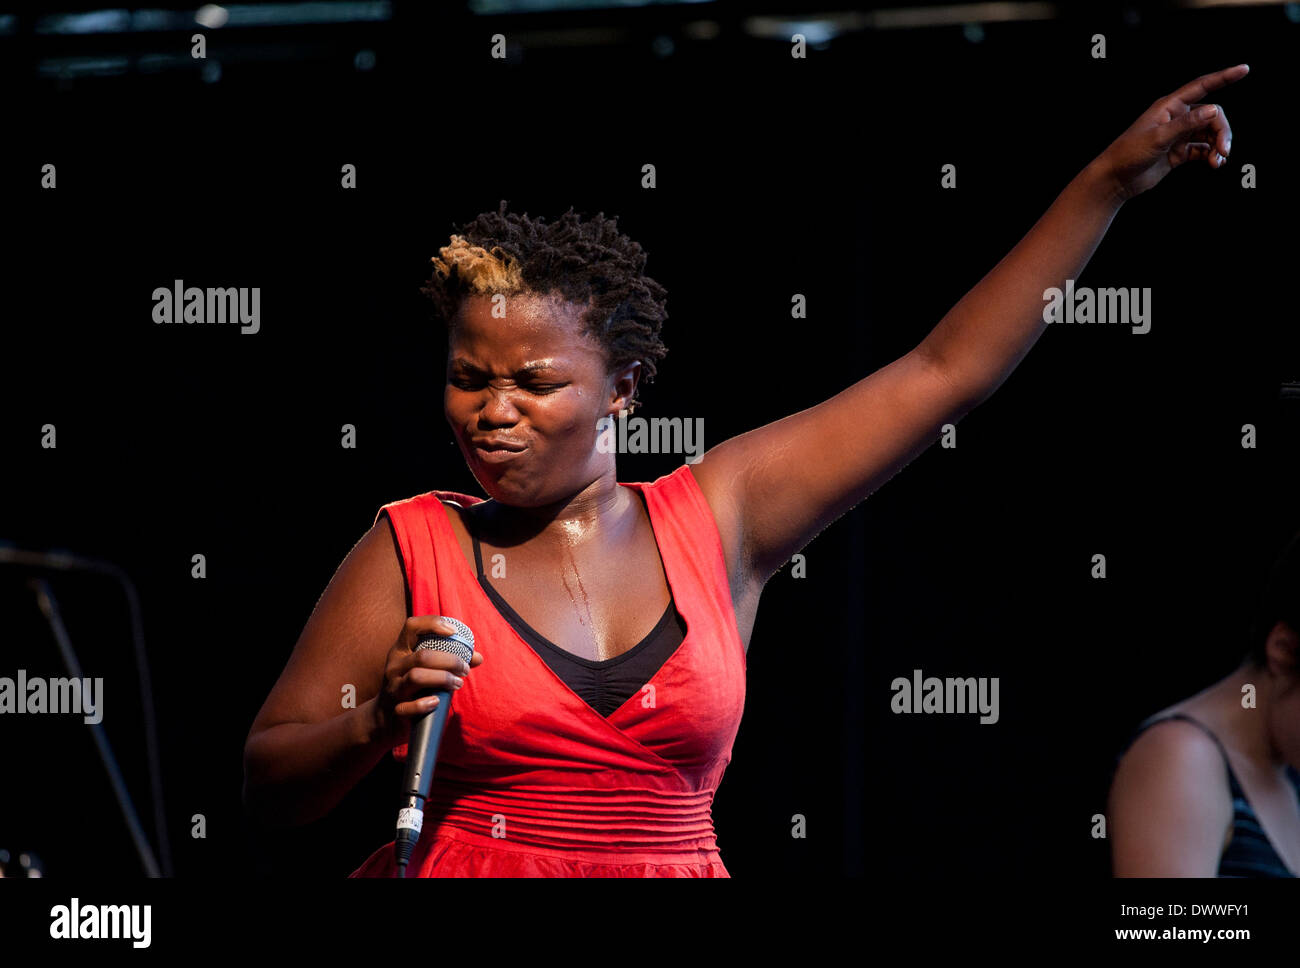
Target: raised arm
773,489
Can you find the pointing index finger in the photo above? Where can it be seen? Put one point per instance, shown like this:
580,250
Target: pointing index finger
1196,90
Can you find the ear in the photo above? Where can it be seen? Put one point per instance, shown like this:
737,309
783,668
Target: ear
1282,650
623,382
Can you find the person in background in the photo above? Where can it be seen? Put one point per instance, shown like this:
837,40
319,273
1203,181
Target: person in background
1210,786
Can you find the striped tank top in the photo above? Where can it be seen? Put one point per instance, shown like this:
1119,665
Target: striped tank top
1249,853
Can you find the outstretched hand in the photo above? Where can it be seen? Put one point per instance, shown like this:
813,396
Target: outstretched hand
1175,129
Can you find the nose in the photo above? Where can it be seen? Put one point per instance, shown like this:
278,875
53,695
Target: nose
499,408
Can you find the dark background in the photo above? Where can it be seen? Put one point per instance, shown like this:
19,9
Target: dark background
775,176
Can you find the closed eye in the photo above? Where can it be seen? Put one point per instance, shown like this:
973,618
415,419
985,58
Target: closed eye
461,383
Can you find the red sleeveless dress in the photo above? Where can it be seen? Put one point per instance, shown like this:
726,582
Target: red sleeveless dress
532,781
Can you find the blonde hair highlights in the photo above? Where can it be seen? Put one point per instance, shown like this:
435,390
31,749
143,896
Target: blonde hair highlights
481,270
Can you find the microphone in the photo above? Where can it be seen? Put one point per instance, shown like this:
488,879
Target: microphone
422,748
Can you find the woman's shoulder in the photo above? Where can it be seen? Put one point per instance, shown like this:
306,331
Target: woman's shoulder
1172,754
437,496
1170,806
1191,722
1174,734
419,506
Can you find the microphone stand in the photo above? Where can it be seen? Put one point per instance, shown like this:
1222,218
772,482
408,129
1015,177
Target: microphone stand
50,608
65,561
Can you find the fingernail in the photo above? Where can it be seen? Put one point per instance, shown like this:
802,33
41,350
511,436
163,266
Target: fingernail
1206,112
457,681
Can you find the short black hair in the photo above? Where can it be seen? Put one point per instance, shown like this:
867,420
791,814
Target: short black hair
587,261
1279,601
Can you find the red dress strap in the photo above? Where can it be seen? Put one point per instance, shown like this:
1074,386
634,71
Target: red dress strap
420,525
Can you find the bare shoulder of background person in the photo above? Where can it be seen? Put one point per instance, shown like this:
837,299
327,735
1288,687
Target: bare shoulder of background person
1169,805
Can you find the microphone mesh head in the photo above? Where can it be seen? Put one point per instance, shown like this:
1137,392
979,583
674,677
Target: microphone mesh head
460,643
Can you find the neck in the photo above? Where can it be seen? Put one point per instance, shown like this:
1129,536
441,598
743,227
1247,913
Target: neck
592,512
1249,726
